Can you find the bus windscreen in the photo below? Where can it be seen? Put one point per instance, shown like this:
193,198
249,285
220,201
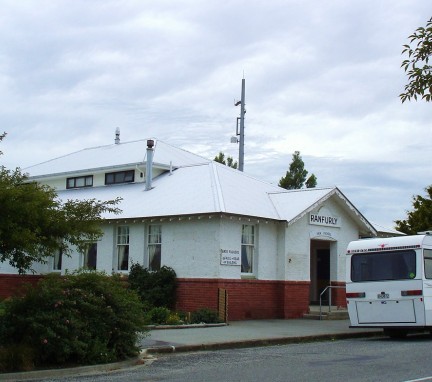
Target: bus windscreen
380,266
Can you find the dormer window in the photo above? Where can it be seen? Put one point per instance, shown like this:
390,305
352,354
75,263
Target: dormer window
79,181
120,177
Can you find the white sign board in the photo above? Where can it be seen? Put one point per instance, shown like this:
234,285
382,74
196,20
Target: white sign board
324,220
230,257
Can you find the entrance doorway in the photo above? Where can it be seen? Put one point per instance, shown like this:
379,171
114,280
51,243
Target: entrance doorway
319,270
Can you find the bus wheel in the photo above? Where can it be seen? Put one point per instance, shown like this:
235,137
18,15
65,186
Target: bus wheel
395,333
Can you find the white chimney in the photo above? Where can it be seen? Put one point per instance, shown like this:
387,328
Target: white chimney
117,136
149,164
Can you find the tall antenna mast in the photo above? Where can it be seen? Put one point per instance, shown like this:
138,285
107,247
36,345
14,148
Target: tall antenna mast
240,133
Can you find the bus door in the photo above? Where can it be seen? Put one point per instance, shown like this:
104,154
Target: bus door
427,284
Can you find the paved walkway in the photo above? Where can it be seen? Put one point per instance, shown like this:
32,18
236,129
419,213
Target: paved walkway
249,333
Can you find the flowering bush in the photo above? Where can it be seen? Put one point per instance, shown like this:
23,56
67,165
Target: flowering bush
83,318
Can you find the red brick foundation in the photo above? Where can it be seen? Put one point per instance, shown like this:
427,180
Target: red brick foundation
11,285
339,294
247,299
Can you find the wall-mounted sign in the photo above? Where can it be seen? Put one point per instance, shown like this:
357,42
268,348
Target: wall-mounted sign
324,219
230,257
325,235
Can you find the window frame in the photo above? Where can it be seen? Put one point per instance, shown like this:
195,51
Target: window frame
120,177
248,241
75,180
122,245
365,267
427,269
57,261
154,247
86,255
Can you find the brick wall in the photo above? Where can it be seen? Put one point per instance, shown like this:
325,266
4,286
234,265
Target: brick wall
247,299
11,284
339,294
296,295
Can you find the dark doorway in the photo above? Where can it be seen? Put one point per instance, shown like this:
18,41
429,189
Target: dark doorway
319,270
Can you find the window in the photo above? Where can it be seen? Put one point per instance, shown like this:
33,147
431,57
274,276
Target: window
119,177
427,253
154,247
377,266
247,248
90,256
80,181
57,261
123,248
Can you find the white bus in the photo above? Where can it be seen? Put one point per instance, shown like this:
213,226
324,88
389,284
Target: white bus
389,283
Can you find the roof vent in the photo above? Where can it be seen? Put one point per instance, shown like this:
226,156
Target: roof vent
149,164
117,136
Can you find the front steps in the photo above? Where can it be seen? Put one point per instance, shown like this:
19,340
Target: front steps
336,313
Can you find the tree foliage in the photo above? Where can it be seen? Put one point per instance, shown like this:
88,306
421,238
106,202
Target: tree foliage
296,176
35,223
230,162
420,218
417,66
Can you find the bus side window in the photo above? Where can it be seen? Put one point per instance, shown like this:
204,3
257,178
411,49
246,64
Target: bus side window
427,253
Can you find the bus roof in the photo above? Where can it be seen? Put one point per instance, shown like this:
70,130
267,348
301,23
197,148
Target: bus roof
389,243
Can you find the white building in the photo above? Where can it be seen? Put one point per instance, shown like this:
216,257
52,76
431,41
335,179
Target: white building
271,250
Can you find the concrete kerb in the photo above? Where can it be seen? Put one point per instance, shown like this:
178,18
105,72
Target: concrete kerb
258,342
142,359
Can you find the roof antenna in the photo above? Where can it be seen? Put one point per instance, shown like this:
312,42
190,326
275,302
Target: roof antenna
117,136
240,129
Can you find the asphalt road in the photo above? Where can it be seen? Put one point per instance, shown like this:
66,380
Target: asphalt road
376,359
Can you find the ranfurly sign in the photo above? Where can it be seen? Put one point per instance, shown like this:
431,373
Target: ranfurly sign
325,219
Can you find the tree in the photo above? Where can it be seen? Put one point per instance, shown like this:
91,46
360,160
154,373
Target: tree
420,218
35,224
417,66
295,178
220,158
311,182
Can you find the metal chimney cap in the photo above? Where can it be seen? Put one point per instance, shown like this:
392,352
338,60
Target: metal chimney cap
150,143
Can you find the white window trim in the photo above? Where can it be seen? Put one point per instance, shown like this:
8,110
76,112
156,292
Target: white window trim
153,244
254,251
116,251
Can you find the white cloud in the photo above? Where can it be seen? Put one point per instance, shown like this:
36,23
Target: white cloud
321,77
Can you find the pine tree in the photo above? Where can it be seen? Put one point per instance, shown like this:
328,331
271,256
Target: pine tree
296,176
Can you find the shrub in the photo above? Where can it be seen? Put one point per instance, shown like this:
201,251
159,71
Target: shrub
205,315
158,315
16,357
2,307
83,318
162,316
156,288
174,319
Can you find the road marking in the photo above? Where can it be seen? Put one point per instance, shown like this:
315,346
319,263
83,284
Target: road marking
420,379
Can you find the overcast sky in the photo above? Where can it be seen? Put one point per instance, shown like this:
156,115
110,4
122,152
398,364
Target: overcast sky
322,78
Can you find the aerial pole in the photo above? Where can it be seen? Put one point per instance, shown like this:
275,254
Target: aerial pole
240,133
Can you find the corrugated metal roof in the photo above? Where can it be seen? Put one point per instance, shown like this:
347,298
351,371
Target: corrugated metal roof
115,155
196,186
